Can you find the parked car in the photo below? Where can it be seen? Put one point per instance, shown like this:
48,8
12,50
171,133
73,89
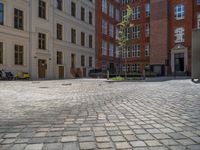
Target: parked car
22,75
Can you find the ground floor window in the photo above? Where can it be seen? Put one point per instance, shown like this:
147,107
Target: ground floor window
1,53
90,61
136,67
82,60
19,55
59,58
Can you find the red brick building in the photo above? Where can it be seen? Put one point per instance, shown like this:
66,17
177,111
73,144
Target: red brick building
161,36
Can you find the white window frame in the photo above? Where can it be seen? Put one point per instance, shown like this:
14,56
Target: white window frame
104,27
136,32
136,50
104,6
136,13
147,30
179,12
111,50
179,35
104,48
147,49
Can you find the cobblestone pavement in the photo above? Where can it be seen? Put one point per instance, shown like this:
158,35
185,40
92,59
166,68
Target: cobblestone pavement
94,114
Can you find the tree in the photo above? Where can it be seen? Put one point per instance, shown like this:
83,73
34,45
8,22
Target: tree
123,38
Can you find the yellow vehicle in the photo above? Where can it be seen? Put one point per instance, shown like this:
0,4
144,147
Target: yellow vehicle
22,75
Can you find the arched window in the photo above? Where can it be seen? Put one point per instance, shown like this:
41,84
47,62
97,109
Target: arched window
179,12
179,35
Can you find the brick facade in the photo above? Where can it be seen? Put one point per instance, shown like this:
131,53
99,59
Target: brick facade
166,56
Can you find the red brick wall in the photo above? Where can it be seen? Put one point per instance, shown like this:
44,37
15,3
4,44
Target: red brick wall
159,32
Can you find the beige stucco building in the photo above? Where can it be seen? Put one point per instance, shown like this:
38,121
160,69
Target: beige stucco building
49,39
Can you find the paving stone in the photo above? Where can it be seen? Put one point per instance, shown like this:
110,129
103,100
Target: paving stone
169,142
145,137
70,146
138,144
161,136
8,141
87,145
69,139
53,146
186,142
104,145
11,135
122,145
102,139
118,138
86,139
34,147
153,143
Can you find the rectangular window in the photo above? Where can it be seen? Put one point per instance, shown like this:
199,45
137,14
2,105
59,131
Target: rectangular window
90,18
147,30
73,60
111,30
136,50
59,4
82,61
59,31
147,10
18,19
136,13
147,47
126,52
198,2
82,39
104,6
117,14
59,58
19,55
42,41
82,14
104,48
136,67
136,32
73,36
73,9
1,53
179,35
90,62
1,13
90,41
42,9
111,11
111,49
104,27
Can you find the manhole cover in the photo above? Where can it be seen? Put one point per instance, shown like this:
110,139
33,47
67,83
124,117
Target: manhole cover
66,84
43,87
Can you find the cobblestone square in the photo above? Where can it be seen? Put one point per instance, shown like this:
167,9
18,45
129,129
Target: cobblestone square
94,114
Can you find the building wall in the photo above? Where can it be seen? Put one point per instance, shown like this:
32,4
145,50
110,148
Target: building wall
34,25
10,36
162,37
103,61
159,34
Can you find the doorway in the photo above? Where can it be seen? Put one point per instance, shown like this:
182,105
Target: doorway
61,72
179,62
42,67
84,72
